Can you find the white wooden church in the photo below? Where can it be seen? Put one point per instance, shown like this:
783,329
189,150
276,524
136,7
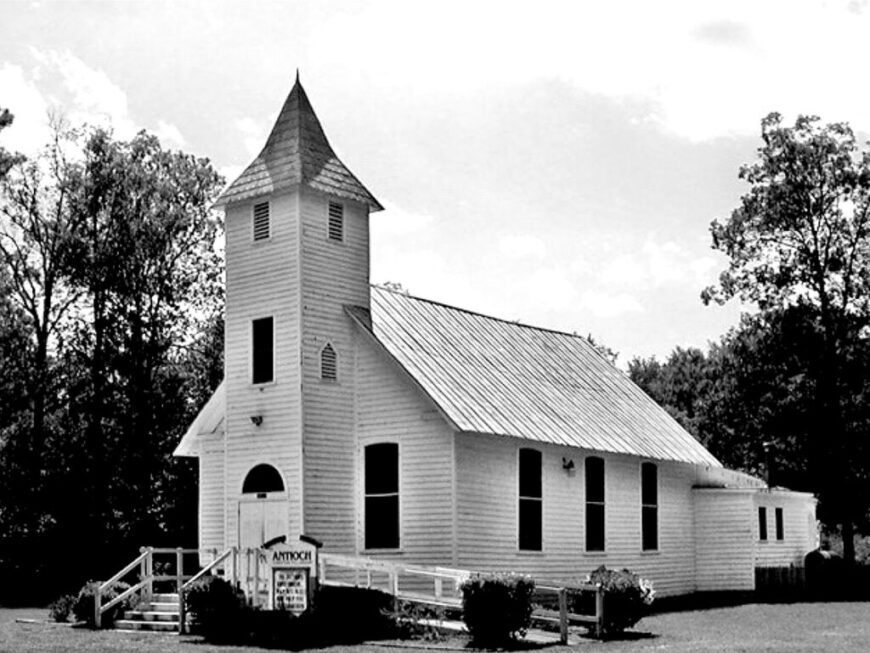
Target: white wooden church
394,427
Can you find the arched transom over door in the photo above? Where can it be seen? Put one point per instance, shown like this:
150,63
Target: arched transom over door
263,507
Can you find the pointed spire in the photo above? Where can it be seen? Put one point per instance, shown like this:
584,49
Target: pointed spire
297,152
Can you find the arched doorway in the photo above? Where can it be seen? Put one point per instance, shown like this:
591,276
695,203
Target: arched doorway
263,507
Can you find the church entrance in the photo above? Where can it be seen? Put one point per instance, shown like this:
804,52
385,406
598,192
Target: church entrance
263,507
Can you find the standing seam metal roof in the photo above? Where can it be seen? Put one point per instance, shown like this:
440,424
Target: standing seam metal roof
493,376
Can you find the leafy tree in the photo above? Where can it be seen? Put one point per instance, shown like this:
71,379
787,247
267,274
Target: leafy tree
7,160
799,239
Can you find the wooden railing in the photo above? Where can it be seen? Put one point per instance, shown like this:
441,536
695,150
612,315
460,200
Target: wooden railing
247,569
411,583
144,563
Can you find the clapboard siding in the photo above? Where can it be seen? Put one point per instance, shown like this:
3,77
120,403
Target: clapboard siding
211,496
263,280
487,522
334,274
724,540
800,533
390,409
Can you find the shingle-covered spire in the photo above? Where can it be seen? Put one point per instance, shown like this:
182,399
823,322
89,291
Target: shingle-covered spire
297,153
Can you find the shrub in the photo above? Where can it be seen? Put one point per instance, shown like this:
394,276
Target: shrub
83,607
217,609
364,614
497,608
627,598
61,608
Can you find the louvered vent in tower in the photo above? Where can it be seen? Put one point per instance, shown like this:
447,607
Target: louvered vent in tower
261,221
336,221
328,364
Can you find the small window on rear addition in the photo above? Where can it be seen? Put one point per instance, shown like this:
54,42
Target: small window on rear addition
780,529
336,221
262,225
762,523
328,363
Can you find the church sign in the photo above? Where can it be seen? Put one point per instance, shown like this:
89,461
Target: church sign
293,573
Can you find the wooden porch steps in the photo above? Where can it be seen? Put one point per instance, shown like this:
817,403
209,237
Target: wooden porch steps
160,614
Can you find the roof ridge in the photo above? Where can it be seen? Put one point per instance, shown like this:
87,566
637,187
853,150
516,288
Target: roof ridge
484,315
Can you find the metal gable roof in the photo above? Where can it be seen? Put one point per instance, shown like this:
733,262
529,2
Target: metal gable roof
297,153
492,376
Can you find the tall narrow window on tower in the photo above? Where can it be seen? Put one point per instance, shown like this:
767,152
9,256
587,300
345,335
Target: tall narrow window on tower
382,496
262,226
531,501
649,499
262,349
336,221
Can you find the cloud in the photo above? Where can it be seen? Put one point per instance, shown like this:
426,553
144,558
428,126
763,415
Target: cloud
724,32
522,246
81,95
398,221
656,265
604,304
254,135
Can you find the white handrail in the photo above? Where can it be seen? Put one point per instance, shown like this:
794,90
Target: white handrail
214,563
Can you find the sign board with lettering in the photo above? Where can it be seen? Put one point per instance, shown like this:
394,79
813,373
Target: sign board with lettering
293,574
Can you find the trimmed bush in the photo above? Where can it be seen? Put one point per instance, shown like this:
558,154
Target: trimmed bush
218,610
497,608
61,608
83,607
627,598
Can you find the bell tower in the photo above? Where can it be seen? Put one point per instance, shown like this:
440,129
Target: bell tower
297,252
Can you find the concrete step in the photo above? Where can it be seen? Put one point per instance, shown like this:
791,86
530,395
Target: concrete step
165,598
154,606
150,615
135,624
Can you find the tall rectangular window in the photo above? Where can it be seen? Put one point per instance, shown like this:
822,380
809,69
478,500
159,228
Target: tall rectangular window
531,501
649,500
594,503
780,529
336,221
262,227
762,523
262,346
382,496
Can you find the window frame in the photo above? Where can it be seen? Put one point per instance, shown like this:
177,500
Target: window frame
762,524
252,358
602,503
365,496
528,499
254,206
646,506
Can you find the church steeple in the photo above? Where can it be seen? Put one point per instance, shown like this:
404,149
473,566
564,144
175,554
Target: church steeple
296,153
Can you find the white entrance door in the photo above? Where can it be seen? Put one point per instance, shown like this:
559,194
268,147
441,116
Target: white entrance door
260,520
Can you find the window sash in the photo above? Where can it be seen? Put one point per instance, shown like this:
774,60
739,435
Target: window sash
262,350
762,523
780,530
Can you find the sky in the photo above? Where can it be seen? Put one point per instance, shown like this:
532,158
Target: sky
555,163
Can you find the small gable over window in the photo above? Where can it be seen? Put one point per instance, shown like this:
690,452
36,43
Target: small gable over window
328,363
336,221
262,478
262,221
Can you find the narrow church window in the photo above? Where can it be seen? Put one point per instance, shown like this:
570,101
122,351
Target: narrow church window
261,221
336,221
382,496
262,363
649,499
594,504
762,523
780,530
531,501
328,363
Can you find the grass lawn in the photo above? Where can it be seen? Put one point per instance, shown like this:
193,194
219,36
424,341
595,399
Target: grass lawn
802,627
